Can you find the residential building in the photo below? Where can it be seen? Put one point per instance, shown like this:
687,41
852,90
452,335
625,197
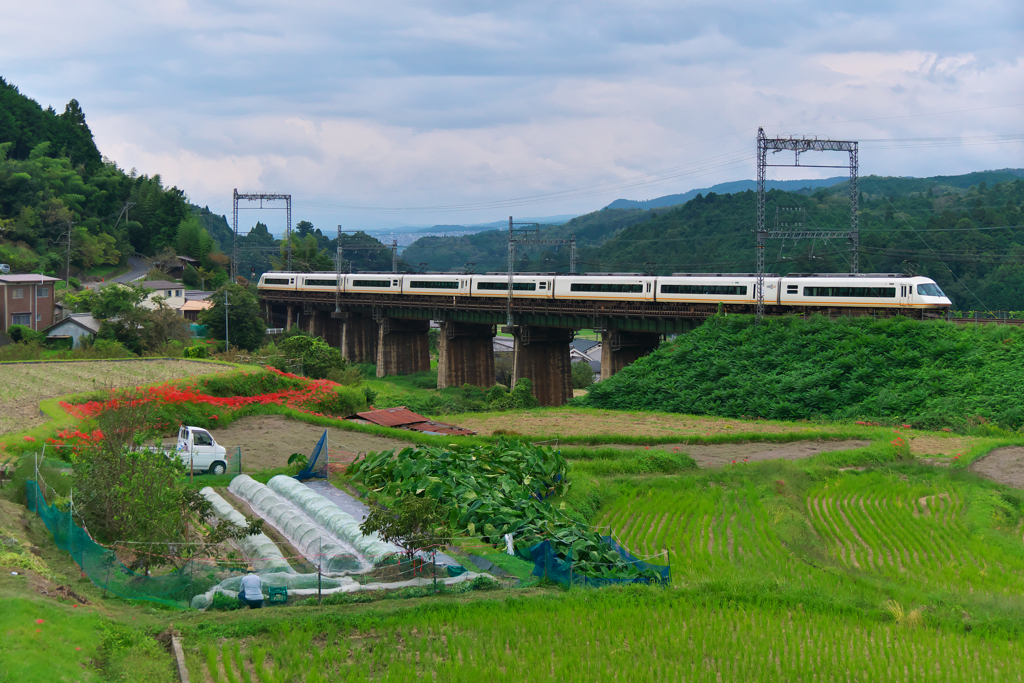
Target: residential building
173,293
26,300
73,327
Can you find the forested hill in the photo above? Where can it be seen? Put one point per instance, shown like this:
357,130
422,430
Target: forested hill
52,177
963,239
957,230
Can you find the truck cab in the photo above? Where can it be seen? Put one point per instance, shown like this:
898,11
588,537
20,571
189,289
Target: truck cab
199,451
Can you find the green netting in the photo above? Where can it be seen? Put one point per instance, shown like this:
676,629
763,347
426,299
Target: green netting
104,569
549,566
234,461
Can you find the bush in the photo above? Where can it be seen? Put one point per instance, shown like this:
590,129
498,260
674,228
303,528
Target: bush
522,394
343,401
350,376
582,375
24,334
194,352
74,282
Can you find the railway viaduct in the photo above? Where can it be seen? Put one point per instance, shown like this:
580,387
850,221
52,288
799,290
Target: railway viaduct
391,331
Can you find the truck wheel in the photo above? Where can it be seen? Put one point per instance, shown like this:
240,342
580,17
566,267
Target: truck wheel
218,468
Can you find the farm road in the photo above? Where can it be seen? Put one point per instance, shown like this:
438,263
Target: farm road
719,455
268,440
1004,465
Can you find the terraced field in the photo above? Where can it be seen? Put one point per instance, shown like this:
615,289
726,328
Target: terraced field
706,530
873,523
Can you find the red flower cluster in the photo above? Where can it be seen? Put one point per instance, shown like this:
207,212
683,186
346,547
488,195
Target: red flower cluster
313,393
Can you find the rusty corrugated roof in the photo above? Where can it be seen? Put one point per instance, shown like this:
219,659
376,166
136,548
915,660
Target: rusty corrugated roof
393,417
403,418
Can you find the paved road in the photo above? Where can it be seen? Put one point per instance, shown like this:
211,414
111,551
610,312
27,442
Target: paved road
139,268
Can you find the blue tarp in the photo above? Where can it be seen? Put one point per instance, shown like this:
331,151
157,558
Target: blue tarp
311,470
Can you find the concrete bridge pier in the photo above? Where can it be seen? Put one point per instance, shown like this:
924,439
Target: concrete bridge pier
542,355
465,355
358,338
402,346
619,348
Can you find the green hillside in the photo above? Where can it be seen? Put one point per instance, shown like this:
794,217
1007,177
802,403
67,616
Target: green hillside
930,374
949,228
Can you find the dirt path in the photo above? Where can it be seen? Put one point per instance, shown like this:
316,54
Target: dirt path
267,441
1004,465
718,455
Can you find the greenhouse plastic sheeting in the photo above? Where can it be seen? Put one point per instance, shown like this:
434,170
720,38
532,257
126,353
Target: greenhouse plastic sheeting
328,515
310,540
547,564
297,584
259,550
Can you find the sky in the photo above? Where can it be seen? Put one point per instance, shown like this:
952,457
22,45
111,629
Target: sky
378,114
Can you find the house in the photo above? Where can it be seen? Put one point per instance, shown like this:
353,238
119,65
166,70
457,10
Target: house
26,300
191,308
173,293
73,327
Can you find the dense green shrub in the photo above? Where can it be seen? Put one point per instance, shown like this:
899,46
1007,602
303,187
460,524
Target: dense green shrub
582,375
25,334
925,373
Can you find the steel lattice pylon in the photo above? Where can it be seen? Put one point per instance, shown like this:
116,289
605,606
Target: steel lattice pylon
528,237
260,197
799,145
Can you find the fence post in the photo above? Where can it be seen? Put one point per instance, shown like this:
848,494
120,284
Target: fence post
433,560
319,574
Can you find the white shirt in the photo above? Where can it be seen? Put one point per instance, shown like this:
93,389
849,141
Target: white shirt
252,587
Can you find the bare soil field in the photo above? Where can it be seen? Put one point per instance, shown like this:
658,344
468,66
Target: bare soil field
719,455
571,422
938,445
1004,465
268,440
24,385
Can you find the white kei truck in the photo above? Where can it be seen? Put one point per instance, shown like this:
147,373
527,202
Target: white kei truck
200,452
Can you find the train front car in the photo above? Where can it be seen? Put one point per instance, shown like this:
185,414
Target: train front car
884,292
929,296
278,281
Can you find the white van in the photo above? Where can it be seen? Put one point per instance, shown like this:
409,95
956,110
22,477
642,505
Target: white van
199,450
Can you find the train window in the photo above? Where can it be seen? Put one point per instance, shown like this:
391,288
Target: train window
543,285
516,286
313,282
605,287
434,284
648,286
929,290
275,281
394,283
853,292
371,283
734,290
792,289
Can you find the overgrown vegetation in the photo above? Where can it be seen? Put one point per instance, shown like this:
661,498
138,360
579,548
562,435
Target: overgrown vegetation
927,374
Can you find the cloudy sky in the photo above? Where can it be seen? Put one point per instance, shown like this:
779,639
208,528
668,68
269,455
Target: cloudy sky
384,113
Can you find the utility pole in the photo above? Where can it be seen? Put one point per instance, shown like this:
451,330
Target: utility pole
67,263
227,344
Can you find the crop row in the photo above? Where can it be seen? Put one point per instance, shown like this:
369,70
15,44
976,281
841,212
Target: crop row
600,637
703,528
896,530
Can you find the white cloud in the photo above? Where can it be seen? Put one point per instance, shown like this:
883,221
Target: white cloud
401,104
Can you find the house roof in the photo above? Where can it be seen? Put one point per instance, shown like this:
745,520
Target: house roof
404,418
188,258
160,284
196,305
583,345
28,277
83,320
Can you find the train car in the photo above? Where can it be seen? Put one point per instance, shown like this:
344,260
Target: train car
436,284
531,286
373,283
279,281
605,287
869,290
727,288
321,282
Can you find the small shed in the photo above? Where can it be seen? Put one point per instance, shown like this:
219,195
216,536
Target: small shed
74,327
190,309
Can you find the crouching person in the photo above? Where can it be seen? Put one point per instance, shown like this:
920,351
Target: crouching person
252,589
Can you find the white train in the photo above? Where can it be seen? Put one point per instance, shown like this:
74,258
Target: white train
871,290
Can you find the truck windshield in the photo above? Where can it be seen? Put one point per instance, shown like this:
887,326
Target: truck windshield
202,439
929,290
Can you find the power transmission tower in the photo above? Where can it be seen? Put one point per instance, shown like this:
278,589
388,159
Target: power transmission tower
530,236
260,197
799,145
